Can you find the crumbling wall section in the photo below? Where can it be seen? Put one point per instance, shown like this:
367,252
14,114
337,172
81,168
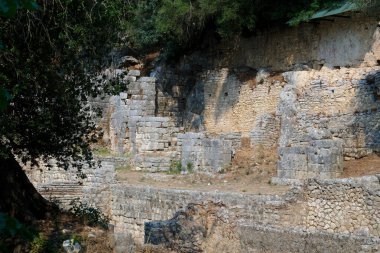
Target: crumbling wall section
327,115
208,153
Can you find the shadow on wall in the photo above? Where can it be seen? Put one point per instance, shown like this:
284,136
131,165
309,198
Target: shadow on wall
321,42
363,129
226,95
218,88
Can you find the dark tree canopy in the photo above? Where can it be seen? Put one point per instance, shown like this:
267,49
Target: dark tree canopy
180,24
49,59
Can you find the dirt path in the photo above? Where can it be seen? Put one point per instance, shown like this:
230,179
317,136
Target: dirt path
255,180
243,181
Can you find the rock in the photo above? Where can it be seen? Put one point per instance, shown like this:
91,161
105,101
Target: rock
91,235
127,61
134,73
71,247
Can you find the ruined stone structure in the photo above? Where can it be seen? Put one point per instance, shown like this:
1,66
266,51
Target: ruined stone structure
318,215
311,92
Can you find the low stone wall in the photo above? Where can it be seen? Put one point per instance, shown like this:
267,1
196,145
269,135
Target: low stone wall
339,214
344,206
329,215
64,186
269,239
132,206
207,153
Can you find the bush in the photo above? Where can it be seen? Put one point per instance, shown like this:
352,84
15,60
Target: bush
175,167
189,167
89,215
12,230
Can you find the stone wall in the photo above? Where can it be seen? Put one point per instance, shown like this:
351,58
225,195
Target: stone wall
312,91
155,144
337,215
64,186
316,117
344,206
327,115
233,105
207,153
143,123
349,42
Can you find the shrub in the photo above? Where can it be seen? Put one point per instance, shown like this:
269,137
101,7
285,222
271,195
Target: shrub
175,167
89,215
189,167
12,230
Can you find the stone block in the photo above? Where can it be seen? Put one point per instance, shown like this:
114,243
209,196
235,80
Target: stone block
147,79
134,73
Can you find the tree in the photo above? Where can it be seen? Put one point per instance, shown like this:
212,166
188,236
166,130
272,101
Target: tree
178,25
48,66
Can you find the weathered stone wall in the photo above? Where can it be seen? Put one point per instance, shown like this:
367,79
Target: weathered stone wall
316,113
326,115
344,206
232,105
207,153
63,187
338,41
143,123
312,91
133,206
155,143
316,117
334,213
269,239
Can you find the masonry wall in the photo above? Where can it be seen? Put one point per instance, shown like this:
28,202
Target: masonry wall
341,215
327,115
349,42
311,91
64,186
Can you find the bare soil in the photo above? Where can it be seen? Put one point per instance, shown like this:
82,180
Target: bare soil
248,174
369,165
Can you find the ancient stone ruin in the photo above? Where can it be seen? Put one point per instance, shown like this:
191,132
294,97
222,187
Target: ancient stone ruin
310,95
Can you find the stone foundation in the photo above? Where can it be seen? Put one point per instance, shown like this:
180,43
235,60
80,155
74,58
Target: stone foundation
333,214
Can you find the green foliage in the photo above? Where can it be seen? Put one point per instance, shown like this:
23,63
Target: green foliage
180,24
304,14
39,243
183,21
8,8
89,215
102,152
141,23
189,167
46,244
48,67
10,230
175,167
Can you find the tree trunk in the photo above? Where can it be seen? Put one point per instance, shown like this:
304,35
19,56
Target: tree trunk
18,197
